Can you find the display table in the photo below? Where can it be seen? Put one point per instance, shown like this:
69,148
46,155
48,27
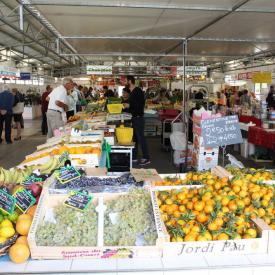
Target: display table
203,265
32,112
262,137
247,119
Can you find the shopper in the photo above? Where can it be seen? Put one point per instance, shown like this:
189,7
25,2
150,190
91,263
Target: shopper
245,99
71,105
125,98
136,108
77,96
271,98
17,110
58,106
6,104
44,109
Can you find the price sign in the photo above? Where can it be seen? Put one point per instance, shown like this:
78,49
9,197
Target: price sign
78,200
221,131
32,179
7,202
67,174
24,199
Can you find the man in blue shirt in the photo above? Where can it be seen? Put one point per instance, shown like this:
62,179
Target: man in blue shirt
6,104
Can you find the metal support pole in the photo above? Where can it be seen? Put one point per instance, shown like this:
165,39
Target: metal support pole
185,104
21,17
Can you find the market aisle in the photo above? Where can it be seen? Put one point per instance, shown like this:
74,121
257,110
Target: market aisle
12,154
161,160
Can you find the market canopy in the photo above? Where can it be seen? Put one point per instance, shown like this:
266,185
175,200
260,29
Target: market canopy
97,31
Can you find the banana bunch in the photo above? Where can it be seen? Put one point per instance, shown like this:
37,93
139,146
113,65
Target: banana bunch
14,175
51,165
17,176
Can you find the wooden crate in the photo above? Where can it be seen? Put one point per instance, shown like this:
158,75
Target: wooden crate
242,247
99,251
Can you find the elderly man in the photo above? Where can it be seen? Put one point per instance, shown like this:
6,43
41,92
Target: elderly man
6,104
58,104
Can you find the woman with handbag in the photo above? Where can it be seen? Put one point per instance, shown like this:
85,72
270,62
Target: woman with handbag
18,109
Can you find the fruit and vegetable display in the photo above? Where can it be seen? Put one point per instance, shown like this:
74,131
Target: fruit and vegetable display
65,226
171,181
219,210
252,173
98,184
129,220
73,118
14,230
79,150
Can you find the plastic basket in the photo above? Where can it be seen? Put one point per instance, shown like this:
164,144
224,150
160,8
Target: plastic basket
124,135
114,108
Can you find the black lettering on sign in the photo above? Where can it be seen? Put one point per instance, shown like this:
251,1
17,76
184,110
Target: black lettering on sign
24,199
7,202
221,131
78,200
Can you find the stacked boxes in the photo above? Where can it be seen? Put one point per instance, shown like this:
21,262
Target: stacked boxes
152,127
202,158
179,156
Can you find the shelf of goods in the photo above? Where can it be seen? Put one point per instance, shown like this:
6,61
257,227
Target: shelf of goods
174,217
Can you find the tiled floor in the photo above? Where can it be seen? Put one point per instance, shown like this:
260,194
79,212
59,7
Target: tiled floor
189,265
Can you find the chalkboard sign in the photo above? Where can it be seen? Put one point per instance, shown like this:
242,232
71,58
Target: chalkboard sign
78,200
67,174
24,199
7,202
221,131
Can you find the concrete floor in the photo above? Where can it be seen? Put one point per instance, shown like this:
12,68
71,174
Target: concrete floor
13,154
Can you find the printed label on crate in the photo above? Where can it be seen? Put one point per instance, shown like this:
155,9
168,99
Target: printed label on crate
221,131
214,247
78,200
24,199
67,174
7,202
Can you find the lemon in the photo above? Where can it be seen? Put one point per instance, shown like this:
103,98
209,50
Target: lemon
3,240
6,223
7,232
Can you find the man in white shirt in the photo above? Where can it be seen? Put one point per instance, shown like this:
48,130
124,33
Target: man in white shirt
58,104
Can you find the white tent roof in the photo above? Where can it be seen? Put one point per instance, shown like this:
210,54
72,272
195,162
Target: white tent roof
216,31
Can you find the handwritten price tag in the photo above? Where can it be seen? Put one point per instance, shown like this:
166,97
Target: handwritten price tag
221,131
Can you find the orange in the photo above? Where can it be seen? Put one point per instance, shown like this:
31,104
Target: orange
19,253
22,240
24,217
31,210
23,227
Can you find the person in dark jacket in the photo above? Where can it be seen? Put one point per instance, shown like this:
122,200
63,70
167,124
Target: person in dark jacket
6,104
136,108
271,98
44,109
125,97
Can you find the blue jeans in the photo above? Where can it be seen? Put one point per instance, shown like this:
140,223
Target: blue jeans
139,138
